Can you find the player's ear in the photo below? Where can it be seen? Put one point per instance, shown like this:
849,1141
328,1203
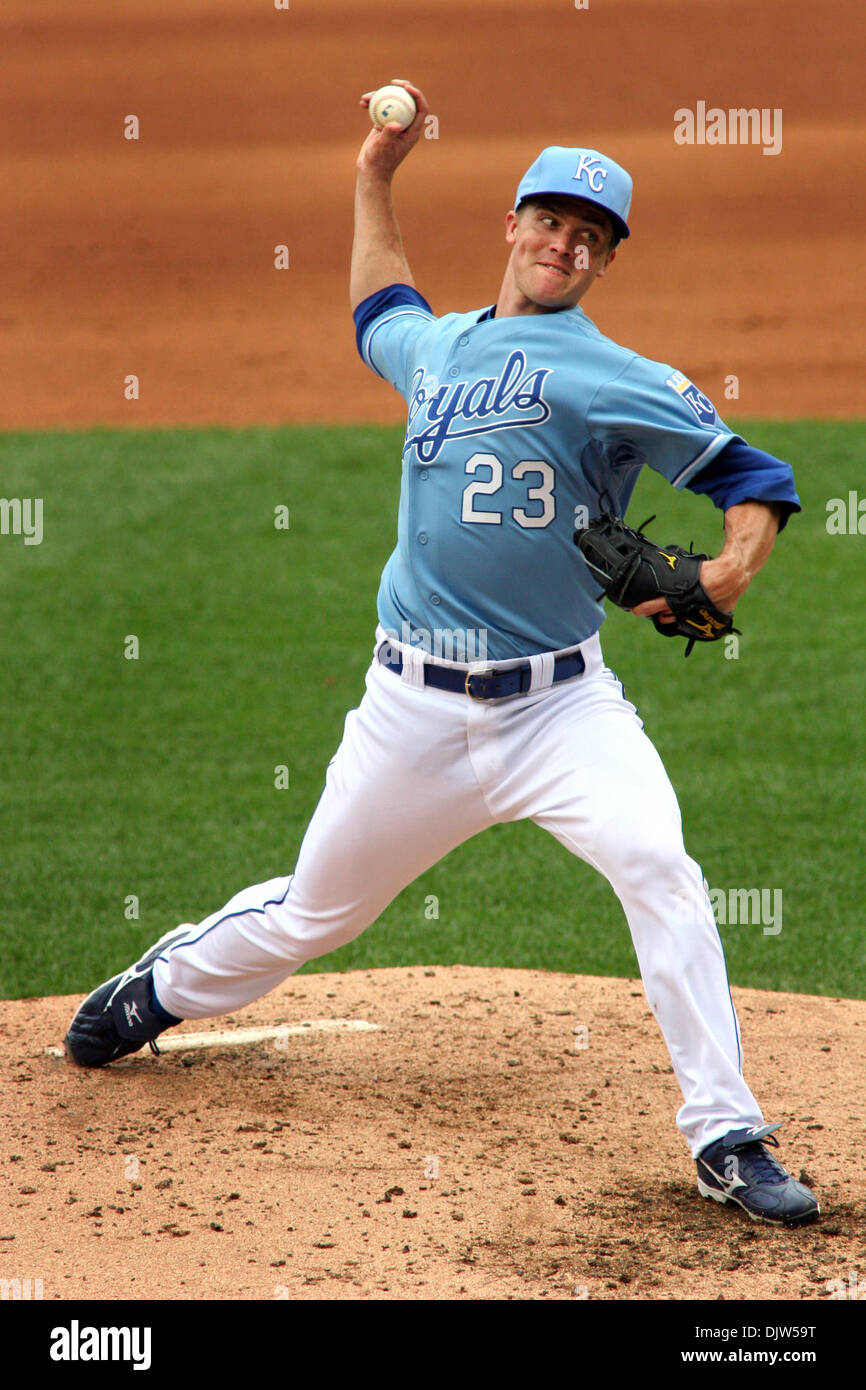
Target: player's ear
511,220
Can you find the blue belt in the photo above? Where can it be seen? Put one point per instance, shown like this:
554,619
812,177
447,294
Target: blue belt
486,685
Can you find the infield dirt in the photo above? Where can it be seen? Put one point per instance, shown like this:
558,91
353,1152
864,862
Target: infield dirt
507,1134
155,256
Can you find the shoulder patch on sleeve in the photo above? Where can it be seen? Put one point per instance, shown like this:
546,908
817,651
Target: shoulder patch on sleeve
698,403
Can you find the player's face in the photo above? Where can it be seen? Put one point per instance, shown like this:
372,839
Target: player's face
559,248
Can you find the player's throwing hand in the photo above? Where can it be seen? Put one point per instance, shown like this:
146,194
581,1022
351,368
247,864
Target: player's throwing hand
385,148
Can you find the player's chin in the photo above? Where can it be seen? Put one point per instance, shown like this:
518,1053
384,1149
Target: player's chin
553,290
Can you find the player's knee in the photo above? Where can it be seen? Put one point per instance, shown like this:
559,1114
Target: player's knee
654,863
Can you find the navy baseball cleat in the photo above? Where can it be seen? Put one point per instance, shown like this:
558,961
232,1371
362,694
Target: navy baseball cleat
121,1015
737,1168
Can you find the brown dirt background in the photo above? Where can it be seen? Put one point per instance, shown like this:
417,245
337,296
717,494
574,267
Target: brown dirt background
300,1172
264,1173
155,257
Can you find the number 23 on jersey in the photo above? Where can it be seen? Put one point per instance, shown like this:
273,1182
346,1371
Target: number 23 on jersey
536,492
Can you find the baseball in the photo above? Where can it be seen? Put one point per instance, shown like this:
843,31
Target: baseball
392,104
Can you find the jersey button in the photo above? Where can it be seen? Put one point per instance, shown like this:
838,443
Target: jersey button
422,537
434,598
423,475
453,371
463,341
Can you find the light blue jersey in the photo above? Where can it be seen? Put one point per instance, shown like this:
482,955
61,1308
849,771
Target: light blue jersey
513,425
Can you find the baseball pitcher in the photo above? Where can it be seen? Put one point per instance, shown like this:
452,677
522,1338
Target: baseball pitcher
487,697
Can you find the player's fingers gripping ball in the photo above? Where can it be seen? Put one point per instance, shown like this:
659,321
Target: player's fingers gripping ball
632,569
390,104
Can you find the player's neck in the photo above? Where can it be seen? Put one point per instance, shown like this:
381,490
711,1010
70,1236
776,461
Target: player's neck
528,306
512,302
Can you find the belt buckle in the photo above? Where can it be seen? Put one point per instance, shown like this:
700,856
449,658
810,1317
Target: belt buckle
469,674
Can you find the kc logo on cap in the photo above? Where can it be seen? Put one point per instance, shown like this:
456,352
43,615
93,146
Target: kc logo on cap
591,168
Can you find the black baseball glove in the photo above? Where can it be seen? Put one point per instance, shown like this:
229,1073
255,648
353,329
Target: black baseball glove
632,569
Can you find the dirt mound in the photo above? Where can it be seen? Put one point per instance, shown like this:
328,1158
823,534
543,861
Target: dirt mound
502,1134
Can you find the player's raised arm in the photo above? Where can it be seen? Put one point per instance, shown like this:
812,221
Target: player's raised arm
378,258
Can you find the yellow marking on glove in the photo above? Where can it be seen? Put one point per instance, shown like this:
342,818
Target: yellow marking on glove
709,627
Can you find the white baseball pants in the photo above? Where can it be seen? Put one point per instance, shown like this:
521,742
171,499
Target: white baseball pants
420,770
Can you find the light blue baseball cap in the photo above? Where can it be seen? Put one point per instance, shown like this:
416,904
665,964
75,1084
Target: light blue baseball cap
580,173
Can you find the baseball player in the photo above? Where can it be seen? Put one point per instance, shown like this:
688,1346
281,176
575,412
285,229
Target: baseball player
487,698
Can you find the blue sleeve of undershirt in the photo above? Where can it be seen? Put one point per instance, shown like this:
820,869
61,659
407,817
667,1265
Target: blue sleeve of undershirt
739,473
376,304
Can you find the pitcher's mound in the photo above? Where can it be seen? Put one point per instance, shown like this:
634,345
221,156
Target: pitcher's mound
494,1134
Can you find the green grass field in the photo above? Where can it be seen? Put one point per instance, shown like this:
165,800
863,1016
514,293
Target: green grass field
155,777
